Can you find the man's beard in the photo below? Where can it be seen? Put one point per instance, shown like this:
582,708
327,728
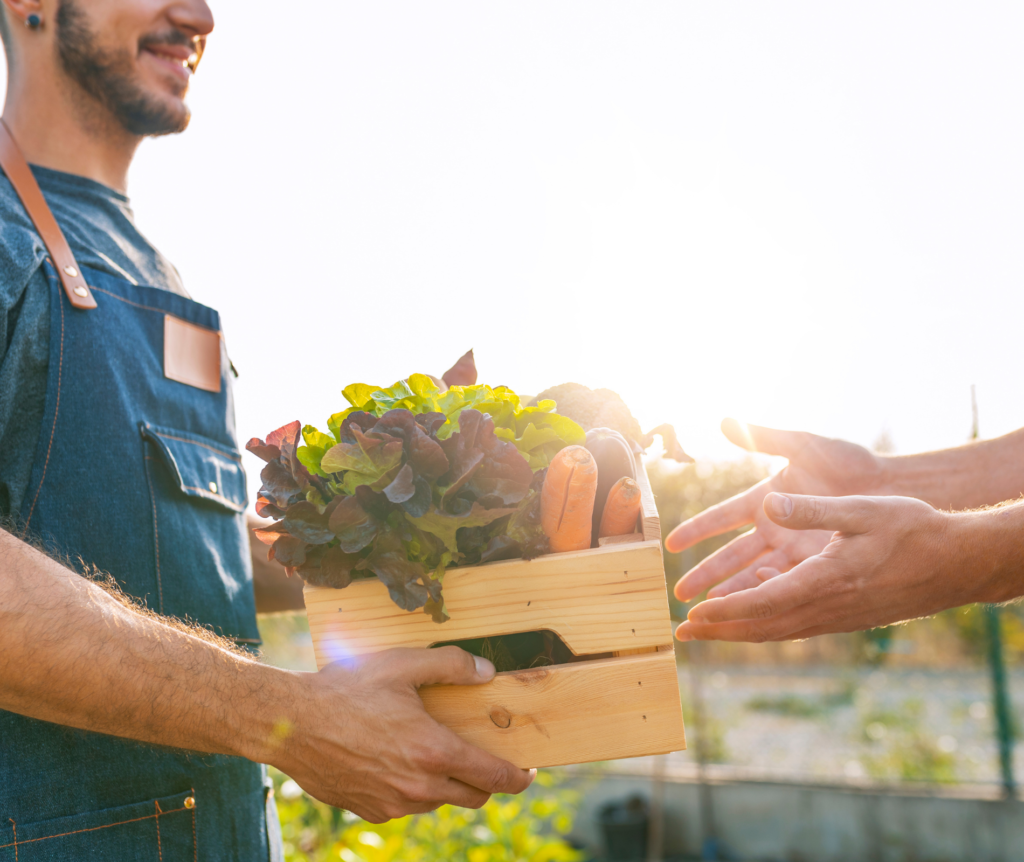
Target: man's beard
109,77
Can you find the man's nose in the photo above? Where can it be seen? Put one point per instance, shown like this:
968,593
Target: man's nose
192,16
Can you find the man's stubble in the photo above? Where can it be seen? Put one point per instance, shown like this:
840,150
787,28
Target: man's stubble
108,76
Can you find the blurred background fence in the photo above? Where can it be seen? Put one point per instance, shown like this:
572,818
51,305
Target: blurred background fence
897,743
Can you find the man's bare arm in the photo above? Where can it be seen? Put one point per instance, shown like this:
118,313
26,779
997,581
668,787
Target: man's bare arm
889,559
977,474
356,737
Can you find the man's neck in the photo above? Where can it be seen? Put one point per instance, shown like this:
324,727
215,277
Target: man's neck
61,127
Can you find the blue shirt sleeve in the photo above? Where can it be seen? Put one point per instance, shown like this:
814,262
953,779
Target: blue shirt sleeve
24,351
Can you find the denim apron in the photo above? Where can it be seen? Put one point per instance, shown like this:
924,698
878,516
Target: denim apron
139,476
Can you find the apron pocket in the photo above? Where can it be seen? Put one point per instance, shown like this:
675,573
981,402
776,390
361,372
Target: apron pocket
162,829
201,549
200,466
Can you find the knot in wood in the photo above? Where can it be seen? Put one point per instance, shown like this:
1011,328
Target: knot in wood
501,716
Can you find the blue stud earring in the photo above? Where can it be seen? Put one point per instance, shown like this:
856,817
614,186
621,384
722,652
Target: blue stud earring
33,21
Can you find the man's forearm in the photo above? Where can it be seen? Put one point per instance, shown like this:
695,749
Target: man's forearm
987,551
978,474
354,735
72,654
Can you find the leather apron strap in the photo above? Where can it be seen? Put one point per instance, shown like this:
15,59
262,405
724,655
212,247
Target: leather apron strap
20,176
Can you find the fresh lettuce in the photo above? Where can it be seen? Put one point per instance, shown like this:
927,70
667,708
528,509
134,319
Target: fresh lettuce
410,480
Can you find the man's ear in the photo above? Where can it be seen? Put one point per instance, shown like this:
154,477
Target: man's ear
18,15
18,11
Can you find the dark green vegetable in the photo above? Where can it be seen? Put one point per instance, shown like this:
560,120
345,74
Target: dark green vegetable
412,479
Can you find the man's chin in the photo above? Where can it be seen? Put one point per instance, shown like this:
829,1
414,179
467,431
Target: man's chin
152,118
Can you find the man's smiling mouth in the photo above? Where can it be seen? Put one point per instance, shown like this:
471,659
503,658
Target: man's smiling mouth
174,58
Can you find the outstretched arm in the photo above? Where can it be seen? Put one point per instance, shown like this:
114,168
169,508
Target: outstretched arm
978,474
890,559
354,736
982,473
817,465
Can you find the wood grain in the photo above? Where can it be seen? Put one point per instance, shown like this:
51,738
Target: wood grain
571,713
626,539
611,599
597,601
650,523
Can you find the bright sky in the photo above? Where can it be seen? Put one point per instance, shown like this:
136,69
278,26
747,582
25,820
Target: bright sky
801,214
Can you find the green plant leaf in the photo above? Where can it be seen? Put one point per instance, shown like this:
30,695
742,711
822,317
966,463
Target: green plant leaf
366,462
358,394
310,455
445,526
450,476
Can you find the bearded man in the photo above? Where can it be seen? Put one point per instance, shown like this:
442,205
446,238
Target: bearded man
125,732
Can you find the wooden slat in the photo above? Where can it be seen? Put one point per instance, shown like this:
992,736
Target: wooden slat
627,539
572,713
650,523
609,599
597,601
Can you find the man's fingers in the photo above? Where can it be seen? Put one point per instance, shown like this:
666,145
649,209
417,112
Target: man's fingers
722,563
797,512
773,598
442,666
787,626
771,441
735,512
744,580
766,573
458,793
477,768
748,578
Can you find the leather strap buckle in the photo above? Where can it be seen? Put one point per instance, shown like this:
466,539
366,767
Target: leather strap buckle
20,176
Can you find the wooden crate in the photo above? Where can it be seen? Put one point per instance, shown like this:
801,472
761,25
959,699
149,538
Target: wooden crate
608,600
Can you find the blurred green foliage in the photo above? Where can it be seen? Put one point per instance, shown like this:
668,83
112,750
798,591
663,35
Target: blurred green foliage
906,751
705,739
528,828
684,491
791,705
800,706
969,625
916,757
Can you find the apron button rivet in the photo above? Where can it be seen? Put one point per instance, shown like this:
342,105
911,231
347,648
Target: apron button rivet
190,802
81,291
213,487
70,270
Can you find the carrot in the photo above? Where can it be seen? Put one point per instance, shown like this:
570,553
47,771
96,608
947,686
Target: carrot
567,499
621,509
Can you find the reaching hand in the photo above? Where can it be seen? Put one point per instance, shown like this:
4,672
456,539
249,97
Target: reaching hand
364,742
889,559
817,465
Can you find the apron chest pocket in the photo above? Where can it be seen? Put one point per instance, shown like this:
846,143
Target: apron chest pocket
201,467
163,828
202,570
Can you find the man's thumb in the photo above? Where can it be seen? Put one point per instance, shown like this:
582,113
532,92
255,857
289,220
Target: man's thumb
798,512
771,441
445,666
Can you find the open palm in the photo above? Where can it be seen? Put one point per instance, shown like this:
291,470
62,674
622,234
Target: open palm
817,466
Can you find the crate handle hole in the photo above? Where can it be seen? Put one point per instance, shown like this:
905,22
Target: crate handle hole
522,650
